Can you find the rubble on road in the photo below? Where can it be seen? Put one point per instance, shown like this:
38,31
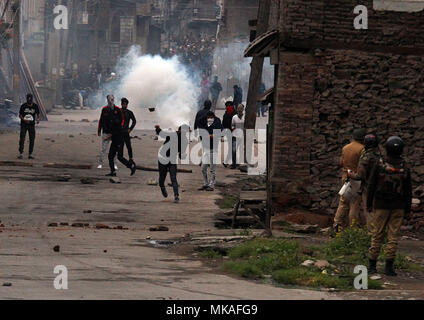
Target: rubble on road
56,248
159,228
308,263
87,181
152,182
115,180
304,228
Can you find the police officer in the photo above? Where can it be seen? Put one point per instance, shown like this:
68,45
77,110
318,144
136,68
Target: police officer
367,161
349,161
390,191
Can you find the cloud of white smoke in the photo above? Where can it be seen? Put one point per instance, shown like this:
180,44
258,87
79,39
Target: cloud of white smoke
153,82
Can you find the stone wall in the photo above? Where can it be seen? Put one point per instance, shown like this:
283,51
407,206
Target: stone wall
326,90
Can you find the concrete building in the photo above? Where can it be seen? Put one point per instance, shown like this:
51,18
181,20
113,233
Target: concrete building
332,78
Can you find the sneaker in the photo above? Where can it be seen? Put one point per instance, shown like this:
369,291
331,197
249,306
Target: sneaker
31,157
164,192
116,167
203,188
20,156
177,199
112,174
209,189
99,166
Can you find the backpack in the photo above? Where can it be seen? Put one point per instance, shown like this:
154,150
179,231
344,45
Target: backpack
391,181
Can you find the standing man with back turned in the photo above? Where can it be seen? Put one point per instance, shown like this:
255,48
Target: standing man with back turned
128,116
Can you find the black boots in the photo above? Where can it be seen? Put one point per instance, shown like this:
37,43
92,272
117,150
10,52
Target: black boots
389,270
164,192
372,266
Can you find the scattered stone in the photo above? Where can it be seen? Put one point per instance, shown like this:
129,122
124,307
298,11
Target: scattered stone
308,263
64,224
85,120
87,181
376,277
78,225
56,249
102,226
66,120
322,264
114,180
104,251
7,284
148,238
63,178
53,224
159,228
88,211
152,182
71,136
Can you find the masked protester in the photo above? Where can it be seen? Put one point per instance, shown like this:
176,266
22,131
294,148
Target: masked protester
169,154
390,195
113,122
29,114
237,125
349,162
367,161
128,117
210,150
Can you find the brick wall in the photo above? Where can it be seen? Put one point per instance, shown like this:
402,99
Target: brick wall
325,92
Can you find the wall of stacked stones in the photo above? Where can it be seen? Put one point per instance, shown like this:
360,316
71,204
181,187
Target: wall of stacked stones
323,95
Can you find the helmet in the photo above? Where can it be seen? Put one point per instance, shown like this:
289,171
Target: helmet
394,145
359,134
370,141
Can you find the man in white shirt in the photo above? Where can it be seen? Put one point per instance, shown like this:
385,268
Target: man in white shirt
237,126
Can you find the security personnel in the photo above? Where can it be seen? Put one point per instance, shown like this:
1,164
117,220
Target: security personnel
349,161
367,161
390,191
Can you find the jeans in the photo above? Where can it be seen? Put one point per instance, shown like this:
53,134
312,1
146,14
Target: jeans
209,161
105,144
127,141
163,172
117,147
31,132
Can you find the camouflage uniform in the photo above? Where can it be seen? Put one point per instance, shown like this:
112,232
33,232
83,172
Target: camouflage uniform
390,191
367,162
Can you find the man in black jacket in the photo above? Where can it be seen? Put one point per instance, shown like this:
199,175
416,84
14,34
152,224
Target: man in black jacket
29,113
200,121
128,116
390,191
210,149
112,120
168,157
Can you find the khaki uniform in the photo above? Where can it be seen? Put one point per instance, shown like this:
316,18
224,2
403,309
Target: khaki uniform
390,192
349,160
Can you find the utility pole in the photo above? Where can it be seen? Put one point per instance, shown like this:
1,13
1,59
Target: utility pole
16,50
257,67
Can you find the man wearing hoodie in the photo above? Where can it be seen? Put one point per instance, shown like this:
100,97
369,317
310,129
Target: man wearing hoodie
227,120
200,121
210,150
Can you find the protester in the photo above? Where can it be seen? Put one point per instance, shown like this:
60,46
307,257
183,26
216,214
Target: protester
261,107
227,126
104,128
390,196
29,114
238,95
204,89
128,117
112,120
237,125
200,120
349,161
210,150
167,161
215,90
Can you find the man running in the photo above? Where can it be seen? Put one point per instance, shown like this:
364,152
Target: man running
29,114
113,122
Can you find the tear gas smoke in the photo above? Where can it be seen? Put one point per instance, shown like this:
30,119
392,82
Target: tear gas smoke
232,68
153,82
